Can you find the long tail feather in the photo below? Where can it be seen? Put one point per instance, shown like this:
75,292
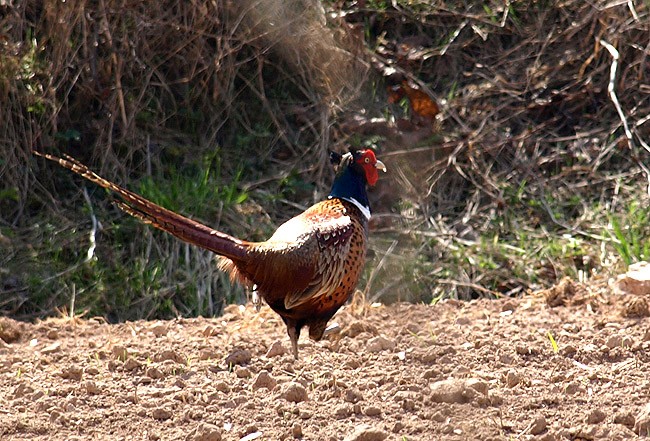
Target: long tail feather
180,226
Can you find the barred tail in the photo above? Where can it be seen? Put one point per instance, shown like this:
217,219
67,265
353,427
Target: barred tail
166,220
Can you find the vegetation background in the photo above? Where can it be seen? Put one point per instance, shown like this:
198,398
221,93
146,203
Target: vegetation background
515,133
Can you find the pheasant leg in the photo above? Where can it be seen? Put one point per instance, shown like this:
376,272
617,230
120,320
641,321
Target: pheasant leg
293,336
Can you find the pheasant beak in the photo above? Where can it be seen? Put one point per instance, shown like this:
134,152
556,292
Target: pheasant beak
371,172
367,160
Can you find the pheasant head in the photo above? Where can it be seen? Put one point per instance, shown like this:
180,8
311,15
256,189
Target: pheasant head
355,170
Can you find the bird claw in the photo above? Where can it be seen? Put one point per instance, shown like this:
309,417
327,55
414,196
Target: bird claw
334,328
257,302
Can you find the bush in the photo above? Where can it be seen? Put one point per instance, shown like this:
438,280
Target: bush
224,111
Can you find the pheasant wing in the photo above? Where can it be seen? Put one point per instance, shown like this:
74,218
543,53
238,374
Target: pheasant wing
331,236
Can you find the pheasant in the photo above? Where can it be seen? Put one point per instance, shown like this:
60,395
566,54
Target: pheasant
307,269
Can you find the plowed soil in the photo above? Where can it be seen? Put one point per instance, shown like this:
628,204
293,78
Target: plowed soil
569,363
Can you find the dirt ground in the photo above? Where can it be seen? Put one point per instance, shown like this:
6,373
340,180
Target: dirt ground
484,370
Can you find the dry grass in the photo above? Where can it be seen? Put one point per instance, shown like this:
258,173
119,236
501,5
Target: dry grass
510,189
116,81
159,90
531,151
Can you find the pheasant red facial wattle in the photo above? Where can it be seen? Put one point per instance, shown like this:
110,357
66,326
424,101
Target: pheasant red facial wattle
307,269
370,165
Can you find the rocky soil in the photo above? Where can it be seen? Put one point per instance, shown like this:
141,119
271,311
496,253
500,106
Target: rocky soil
571,362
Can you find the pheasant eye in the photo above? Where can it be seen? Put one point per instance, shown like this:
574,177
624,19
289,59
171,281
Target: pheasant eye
366,160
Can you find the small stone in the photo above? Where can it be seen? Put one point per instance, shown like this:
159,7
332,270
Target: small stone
615,341
367,433
412,328
10,331
239,356
636,307
342,411
642,421
397,427
408,405
439,417
205,432
50,349
356,328
91,370
431,373
523,350
119,352
277,349
159,330
294,392
228,404
511,378
508,306
624,418
568,350
372,411
242,372
210,331
646,336
91,387
596,416
21,390
161,413
131,364
378,344
154,372
222,386
168,354
356,364
296,430
252,432
574,388
452,391
636,281
208,354
352,396
264,380
538,426
478,385
57,416
72,373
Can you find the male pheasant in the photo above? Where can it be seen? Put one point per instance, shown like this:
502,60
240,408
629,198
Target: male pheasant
307,269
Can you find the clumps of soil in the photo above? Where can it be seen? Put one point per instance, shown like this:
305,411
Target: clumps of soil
636,307
484,369
10,330
566,292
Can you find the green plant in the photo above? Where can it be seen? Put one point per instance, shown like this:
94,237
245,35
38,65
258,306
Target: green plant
554,345
630,233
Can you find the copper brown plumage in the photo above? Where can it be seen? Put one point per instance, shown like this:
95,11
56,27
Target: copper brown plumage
307,269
